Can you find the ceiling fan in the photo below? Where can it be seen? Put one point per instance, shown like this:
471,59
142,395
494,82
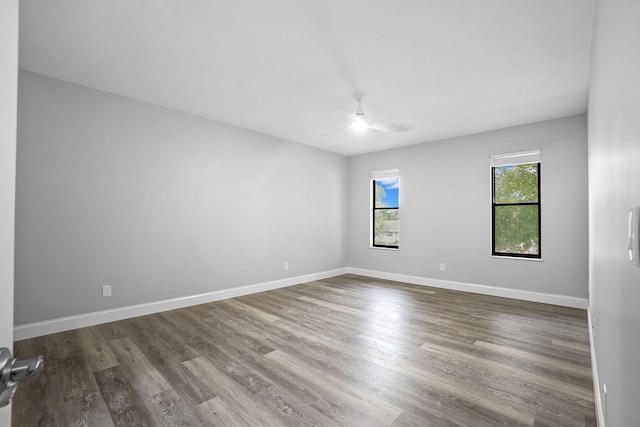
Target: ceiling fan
361,122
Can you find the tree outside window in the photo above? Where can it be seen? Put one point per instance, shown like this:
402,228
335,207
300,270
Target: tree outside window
516,210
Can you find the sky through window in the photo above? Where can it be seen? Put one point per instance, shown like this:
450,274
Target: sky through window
390,187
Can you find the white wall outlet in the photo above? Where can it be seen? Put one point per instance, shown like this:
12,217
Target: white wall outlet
442,266
106,291
286,266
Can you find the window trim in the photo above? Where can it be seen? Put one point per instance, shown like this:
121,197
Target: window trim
502,160
373,177
373,216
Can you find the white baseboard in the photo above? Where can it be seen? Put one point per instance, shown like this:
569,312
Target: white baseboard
562,300
597,400
62,324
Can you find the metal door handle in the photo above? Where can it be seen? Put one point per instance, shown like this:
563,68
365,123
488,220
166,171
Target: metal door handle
14,372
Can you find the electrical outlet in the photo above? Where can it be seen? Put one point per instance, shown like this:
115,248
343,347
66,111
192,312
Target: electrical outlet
442,267
286,266
106,291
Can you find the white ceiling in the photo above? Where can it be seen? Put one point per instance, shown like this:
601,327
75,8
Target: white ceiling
288,68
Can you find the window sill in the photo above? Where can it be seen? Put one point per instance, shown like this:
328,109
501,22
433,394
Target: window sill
383,248
516,257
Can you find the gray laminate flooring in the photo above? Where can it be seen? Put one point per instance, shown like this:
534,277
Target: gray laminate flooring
349,350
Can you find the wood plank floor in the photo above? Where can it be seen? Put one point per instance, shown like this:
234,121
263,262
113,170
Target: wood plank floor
350,351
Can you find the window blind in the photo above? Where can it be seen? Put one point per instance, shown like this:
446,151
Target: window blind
519,158
385,173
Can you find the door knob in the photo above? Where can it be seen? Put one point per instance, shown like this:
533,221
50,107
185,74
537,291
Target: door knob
14,372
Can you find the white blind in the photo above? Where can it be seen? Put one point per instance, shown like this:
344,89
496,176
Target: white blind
519,158
385,173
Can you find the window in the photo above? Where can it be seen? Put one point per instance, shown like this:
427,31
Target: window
385,220
515,204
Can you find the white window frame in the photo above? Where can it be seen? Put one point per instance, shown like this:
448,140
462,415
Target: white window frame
374,176
513,159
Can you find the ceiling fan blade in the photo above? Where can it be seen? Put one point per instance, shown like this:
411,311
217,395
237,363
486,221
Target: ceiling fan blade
391,127
361,123
338,131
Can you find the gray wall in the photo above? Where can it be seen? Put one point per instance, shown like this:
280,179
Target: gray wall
614,187
8,98
162,205
159,204
445,210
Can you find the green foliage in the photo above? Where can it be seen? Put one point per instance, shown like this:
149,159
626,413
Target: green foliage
516,226
516,184
379,226
517,229
380,194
